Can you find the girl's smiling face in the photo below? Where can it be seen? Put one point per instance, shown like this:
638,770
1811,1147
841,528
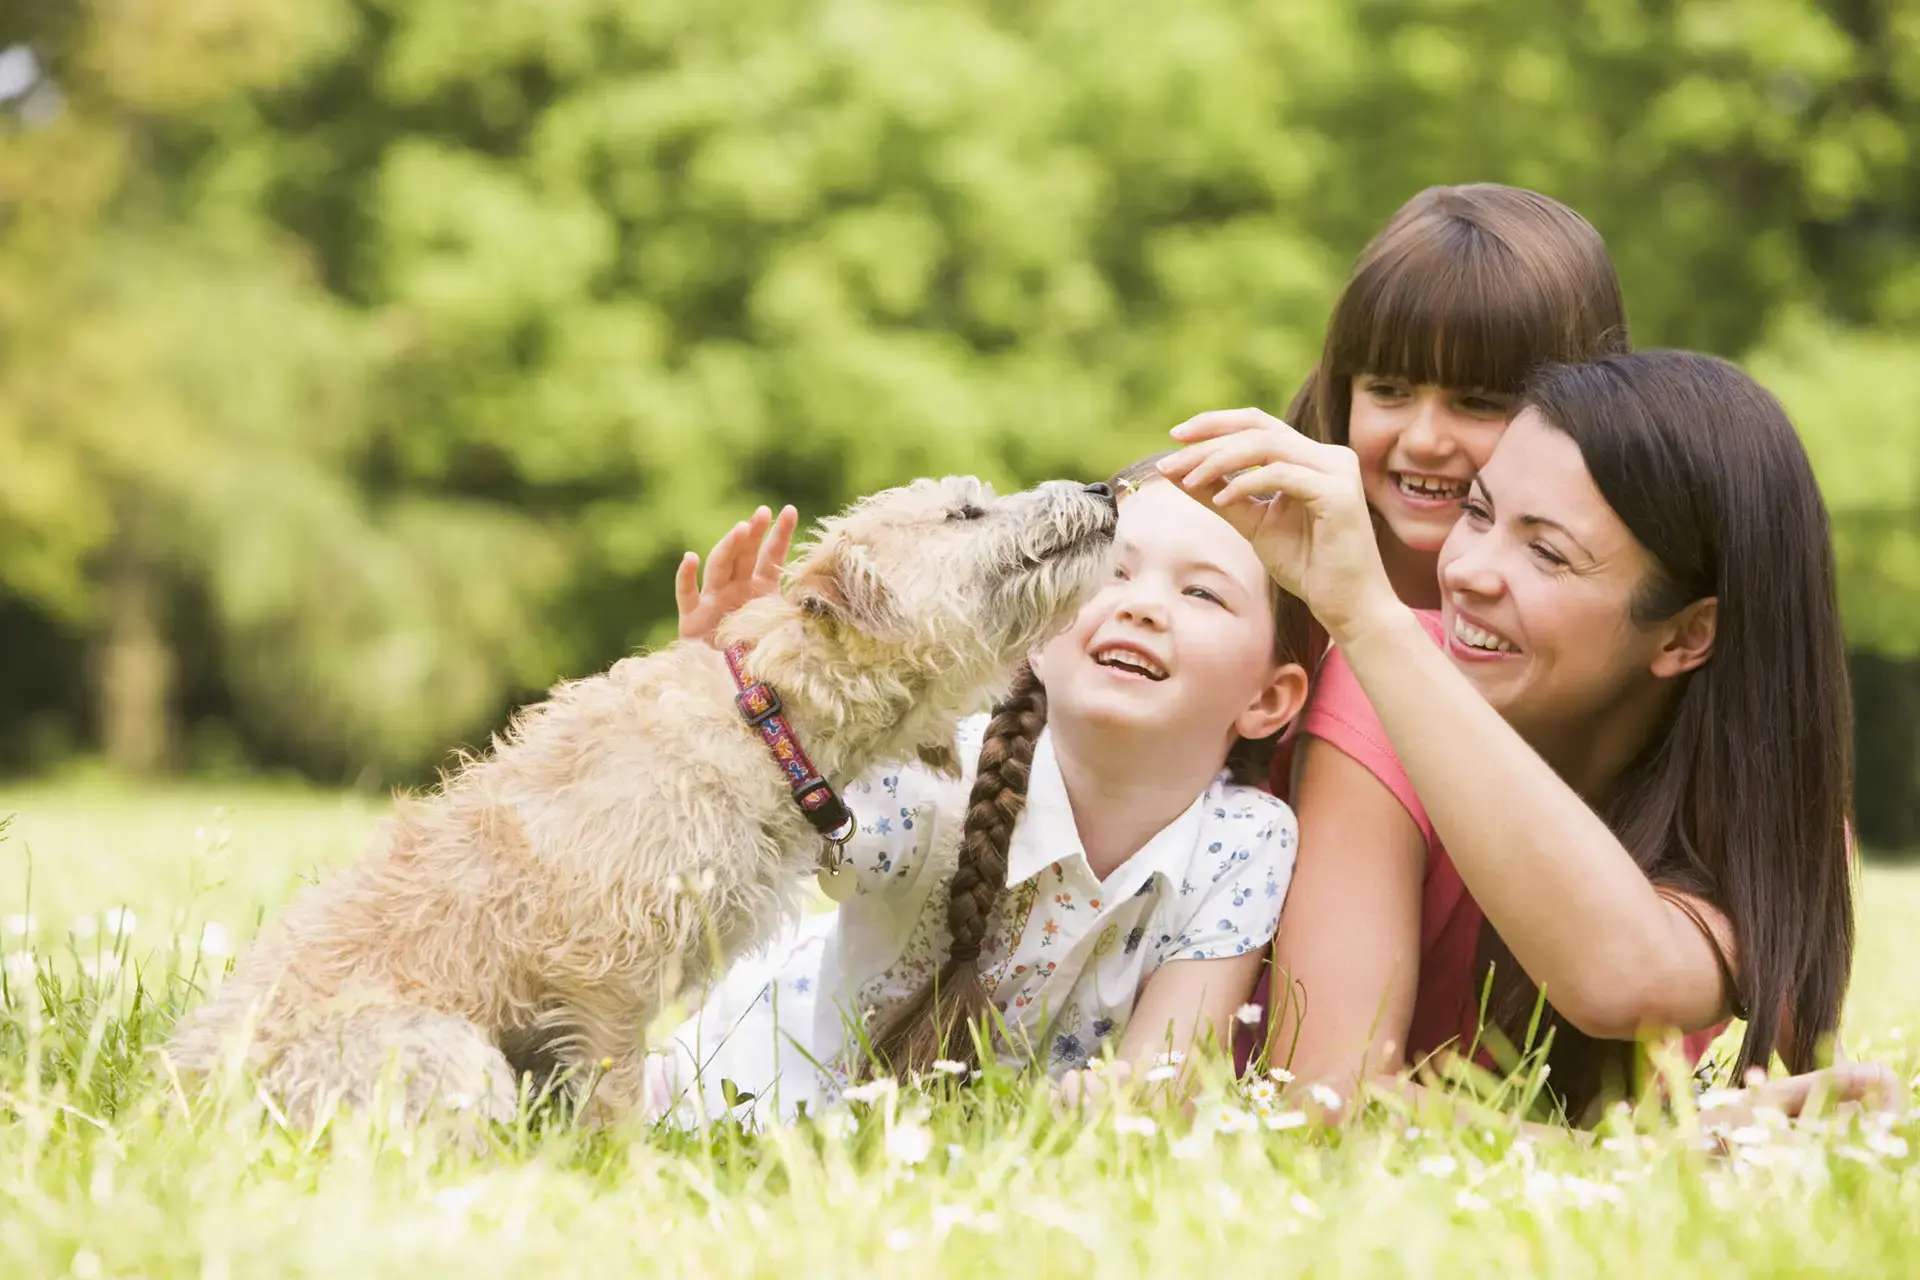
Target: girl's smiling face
1180,641
1419,447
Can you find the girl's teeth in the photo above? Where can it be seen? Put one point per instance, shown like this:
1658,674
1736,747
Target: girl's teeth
1432,487
1474,638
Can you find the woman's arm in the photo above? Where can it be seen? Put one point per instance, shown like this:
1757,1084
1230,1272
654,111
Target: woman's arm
1347,957
1581,918
1611,952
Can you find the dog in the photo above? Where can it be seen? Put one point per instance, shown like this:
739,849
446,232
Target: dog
632,832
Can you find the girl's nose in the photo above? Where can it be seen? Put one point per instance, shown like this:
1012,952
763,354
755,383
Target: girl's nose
1425,434
1140,605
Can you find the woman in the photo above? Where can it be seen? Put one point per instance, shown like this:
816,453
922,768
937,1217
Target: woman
1634,748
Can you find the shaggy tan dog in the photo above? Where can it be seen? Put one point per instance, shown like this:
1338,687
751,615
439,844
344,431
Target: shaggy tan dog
538,910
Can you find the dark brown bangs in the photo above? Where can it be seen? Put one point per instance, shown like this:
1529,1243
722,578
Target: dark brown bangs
1450,304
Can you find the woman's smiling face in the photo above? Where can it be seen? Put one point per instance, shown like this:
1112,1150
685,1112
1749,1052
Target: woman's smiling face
1538,583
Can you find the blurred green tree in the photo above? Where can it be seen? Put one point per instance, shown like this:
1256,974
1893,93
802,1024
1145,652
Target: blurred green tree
417,338
181,405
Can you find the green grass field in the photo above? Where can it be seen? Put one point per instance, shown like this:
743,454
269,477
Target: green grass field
106,1171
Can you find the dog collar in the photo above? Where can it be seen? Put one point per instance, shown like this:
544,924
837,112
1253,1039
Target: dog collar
819,802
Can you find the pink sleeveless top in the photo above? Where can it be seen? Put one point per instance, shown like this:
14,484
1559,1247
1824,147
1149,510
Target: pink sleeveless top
1446,1000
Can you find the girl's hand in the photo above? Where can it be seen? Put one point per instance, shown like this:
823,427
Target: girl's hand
1086,1085
1301,505
735,574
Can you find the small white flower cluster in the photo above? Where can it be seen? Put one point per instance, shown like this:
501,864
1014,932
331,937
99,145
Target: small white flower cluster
1543,1189
875,1090
1165,1067
1263,1102
908,1142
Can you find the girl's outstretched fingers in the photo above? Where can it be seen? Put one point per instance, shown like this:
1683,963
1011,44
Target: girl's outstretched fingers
774,549
686,585
744,565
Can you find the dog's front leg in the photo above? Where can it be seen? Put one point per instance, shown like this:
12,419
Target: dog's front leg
617,1090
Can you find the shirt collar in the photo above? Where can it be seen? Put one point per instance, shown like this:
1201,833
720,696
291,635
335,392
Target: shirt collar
1047,833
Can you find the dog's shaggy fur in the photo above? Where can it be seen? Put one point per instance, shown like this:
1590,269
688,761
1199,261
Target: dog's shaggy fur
538,910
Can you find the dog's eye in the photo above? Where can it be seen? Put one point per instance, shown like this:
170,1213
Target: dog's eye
968,512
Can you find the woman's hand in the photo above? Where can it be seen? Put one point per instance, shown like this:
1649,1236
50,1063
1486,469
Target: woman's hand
735,573
1841,1089
1301,505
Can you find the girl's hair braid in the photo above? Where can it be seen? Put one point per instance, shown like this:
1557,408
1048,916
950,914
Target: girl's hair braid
938,1021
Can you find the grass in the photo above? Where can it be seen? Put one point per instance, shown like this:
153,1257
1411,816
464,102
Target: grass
106,1171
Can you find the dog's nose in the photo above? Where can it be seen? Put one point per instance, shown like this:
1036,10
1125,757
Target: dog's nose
1100,490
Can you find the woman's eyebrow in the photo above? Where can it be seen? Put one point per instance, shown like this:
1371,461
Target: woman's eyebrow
1543,522
1537,522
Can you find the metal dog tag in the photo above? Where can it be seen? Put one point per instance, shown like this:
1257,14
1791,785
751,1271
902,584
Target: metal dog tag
837,884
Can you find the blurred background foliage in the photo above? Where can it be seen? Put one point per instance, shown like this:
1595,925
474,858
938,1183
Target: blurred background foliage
365,364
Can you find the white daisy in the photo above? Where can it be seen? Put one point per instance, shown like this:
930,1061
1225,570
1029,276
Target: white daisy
909,1143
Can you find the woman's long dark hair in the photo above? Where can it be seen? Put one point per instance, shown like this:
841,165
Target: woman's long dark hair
1745,799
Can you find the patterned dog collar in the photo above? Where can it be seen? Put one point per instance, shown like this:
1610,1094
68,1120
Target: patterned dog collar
760,708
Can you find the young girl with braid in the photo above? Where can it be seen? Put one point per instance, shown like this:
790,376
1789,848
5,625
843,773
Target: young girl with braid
1102,875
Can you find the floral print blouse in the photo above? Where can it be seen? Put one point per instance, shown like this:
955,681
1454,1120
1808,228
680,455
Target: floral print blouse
1065,955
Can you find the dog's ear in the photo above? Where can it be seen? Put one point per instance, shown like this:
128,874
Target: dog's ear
839,585
939,757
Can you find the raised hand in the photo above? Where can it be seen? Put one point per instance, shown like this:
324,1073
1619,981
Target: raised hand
1298,501
744,565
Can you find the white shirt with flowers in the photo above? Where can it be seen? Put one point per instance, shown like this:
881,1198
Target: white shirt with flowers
1065,955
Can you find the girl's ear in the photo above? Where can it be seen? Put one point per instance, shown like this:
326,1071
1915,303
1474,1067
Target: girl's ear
1277,703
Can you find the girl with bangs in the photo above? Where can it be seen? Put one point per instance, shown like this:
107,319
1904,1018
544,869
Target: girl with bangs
1464,293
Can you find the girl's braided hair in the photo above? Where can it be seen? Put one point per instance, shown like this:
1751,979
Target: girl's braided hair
938,1021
